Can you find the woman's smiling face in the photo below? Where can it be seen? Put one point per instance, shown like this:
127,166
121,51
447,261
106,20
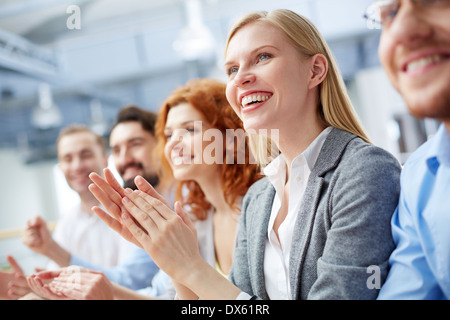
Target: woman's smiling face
267,77
184,149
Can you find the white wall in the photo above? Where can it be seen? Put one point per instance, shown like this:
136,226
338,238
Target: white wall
25,191
385,116
377,102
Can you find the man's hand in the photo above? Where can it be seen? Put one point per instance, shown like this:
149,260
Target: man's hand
37,236
13,283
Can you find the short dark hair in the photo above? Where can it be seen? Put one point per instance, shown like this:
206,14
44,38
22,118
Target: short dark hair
146,118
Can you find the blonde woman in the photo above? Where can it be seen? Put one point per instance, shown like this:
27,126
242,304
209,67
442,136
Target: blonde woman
318,226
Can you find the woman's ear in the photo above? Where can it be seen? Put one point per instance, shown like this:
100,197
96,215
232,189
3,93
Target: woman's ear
319,68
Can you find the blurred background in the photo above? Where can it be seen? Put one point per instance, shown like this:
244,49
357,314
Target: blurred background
66,61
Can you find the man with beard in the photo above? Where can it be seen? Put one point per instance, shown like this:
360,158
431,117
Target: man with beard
132,141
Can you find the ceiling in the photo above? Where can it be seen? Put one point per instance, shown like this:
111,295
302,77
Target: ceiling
123,52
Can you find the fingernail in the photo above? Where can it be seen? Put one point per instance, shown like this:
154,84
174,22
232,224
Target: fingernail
128,190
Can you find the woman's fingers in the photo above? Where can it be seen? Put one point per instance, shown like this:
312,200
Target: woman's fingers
147,188
140,210
160,206
110,194
110,221
169,238
143,205
111,206
104,185
109,176
184,216
48,275
138,232
152,206
115,225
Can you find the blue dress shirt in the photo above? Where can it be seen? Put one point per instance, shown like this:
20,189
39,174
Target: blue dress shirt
420,264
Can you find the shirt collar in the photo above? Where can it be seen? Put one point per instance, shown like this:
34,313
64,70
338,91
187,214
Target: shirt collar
439,151
312,152
276,170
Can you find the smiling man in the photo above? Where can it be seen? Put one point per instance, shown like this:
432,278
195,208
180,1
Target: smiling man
132,142
79,232
415,52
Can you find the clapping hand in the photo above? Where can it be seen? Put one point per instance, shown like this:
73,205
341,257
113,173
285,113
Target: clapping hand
144,218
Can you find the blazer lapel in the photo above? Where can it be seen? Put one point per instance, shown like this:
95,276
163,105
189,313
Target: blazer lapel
302,232
328,159
257,239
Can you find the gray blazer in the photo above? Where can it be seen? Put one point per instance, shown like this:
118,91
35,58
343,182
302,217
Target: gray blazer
343,226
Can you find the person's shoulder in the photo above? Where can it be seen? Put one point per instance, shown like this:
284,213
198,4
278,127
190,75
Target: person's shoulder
349,152
71,210
255,191
366,168
258,186
362,154
418,157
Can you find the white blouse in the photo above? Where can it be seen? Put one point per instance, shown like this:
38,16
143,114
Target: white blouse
277,249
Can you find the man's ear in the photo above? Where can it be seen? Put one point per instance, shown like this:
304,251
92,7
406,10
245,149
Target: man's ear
319,69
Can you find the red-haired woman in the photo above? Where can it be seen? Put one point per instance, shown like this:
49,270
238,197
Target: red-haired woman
194,128
202,148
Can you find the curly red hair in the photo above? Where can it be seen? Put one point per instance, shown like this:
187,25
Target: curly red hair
208,97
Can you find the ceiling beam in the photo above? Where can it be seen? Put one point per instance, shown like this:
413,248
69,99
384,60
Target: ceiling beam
20,55
15,8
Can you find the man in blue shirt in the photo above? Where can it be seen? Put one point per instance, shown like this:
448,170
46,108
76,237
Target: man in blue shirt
415,53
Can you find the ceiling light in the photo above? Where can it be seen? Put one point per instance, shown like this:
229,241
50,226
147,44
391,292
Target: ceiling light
46,115
195,41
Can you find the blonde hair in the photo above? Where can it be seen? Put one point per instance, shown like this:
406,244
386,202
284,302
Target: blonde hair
335,108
